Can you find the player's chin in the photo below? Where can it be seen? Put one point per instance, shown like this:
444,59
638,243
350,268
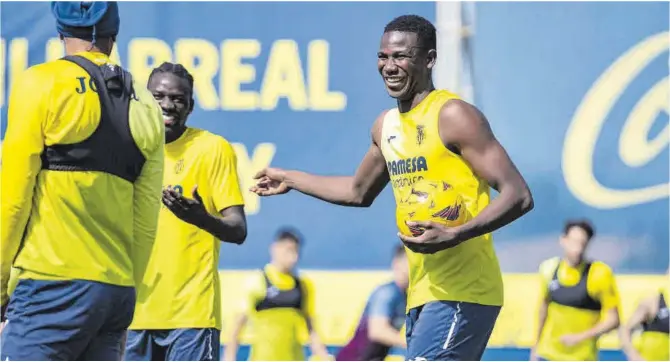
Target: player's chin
397,93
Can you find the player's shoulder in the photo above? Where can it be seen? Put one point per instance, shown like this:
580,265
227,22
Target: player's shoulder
386,116
209,139
305,280
600,269
548,266
254,281
386,290
36,77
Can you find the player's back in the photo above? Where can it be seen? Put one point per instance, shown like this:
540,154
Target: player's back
413,149
81,222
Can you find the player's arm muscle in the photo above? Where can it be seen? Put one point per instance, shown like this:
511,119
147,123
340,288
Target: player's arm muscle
230,224
21,162
466,129
642,313
359,190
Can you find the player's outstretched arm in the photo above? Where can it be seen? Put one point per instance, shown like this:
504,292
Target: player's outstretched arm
464,128
359,190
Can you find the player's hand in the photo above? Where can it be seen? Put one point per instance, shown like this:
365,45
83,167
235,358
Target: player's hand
634,356
570,340
188,210
434,237
533,355
270,182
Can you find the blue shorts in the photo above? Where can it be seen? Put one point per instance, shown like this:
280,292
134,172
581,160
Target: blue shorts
449,331
66,320
187,344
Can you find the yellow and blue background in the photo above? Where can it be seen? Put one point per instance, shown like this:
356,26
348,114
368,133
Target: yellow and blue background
576,92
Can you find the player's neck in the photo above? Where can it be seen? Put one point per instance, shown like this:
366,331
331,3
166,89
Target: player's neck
280,268
573,262
407,105
74,46
174,135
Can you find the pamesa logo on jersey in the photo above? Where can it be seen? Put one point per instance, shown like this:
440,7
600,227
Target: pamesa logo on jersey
409,165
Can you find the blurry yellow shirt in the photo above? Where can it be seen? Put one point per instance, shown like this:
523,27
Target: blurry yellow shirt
469,272
277,334
654,346
181,287
562,320
78,225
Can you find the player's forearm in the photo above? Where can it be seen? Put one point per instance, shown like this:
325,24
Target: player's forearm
626,342
316,345
609,323
230,229
339,190
387,336
542,319
512,203
230,349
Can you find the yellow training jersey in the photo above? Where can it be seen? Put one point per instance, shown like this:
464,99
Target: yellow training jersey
563,318
181,287
75,225
277,334
413,150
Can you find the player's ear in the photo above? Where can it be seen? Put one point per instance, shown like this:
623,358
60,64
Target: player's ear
191,105
431,58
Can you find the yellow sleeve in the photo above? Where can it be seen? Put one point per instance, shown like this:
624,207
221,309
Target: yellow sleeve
308,297
253,292
224,182
146,120
546,272
602,286
22,147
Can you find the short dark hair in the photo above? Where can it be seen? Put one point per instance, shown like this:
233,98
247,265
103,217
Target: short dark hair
289,233
424,29
398,251
583,224
175,69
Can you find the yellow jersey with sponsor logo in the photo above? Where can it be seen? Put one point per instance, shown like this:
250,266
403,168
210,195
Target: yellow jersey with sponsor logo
181,287
413,150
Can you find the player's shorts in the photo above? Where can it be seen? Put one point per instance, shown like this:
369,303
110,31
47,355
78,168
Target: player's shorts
188,344
449,331
66,320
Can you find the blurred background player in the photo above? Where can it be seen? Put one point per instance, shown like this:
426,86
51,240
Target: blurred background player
379,328
456,287
579,303
79,134
653,316
178,312
281,305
